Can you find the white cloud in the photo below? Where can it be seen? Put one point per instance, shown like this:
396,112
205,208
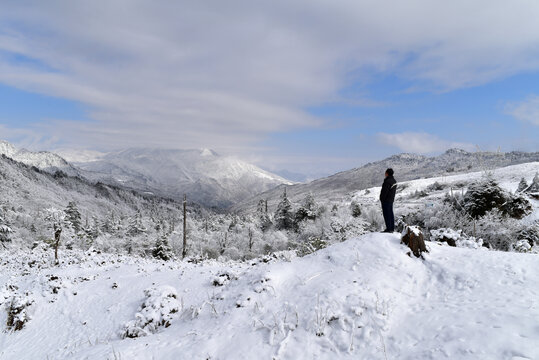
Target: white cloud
527,110
420,142
225,74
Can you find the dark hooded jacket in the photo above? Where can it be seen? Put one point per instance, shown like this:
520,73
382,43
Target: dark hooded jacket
389,188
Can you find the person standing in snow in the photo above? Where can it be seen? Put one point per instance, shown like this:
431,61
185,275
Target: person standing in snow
387,197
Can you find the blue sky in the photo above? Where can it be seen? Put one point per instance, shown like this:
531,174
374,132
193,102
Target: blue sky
478,117
310,87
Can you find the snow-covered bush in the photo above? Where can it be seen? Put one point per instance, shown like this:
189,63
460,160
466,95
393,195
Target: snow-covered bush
497,231
17,312
516,206
373,216
158,310
455,238
522,246
5,230
436,186
223,278
530,234
311,245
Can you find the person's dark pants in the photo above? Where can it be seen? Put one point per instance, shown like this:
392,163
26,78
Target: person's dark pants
389,218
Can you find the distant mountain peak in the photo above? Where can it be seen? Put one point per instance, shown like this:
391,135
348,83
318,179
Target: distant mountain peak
208,152
7,148
43,160
205,176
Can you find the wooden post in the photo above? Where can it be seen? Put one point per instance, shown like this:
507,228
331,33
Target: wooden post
184,252
266,206
250,239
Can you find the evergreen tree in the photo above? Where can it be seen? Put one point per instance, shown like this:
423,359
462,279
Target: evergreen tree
73,216
534,187
260,207
162,249
262,212
308,209
107,226
284,216
522,185
93,231
486,195
265,222
356,209
483,196
135,226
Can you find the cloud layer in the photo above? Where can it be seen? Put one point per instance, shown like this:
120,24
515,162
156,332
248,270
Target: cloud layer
526,110
225,74
420,143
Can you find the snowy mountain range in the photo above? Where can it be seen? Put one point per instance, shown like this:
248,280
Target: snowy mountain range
406,167
203,175
224,182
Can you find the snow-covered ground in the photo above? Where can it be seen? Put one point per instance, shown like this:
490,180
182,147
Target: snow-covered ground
508,178
364,298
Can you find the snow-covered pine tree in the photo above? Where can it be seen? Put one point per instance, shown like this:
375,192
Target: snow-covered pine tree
262,214
307,210
162,249
522,185
261,206
534,187
73,217
135,226
284,216
483,196
487,195
355,209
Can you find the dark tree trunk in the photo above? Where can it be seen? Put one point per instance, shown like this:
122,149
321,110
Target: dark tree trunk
57,234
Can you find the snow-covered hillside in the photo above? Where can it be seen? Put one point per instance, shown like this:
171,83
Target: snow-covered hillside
416,194
43,160
406,166
364,298
203,175
26,195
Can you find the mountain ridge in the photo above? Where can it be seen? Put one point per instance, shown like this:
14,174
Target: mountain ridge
43,160
407,166
202,174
